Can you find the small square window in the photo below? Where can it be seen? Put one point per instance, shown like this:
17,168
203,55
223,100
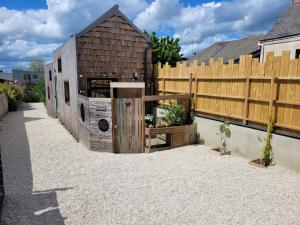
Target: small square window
34,76
59,65
67,91
50,75
297,54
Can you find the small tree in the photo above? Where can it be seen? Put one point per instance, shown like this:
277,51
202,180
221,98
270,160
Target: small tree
267,149
164,49
224,133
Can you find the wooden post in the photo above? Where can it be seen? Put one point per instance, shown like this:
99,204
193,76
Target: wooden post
190,83
143,121
113,118
246,106
271,100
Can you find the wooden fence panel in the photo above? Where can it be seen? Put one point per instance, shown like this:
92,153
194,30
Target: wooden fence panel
250,91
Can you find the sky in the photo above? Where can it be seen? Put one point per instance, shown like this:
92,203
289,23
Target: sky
33,29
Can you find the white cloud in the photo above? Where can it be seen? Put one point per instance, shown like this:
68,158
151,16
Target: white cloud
21,49
198,26
35,33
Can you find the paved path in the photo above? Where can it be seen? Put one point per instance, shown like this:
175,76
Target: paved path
50,179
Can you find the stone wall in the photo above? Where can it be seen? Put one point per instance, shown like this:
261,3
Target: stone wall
90,112
3,105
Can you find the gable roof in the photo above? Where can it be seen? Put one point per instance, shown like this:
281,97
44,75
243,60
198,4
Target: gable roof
287,25
229,49
114,11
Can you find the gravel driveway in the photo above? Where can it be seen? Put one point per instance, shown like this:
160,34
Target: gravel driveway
52,179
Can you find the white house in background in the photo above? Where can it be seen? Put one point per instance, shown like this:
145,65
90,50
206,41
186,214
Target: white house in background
284,35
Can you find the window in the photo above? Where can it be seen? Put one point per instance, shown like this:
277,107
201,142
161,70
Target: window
98,88
67,91
48,90
50,75
34,76
59,66
297,54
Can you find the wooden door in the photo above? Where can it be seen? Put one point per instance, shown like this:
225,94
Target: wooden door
128,125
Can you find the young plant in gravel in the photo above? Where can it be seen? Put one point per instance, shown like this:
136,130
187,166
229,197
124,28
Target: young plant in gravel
267,154
224,133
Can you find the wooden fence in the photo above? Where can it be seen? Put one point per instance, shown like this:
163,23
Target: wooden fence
249,91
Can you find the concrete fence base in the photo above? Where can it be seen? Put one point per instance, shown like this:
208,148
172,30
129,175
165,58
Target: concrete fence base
244,142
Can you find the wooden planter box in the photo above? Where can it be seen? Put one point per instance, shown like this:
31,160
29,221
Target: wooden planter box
177,136
221,151
257,163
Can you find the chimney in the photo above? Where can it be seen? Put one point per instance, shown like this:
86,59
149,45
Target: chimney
295,1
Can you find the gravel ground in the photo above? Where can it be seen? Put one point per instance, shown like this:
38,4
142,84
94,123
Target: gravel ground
52,179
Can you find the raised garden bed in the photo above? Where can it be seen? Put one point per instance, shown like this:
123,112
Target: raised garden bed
221,151
176,136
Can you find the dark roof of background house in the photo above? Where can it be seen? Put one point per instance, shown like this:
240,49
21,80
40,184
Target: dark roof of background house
114,11
229,49
287,25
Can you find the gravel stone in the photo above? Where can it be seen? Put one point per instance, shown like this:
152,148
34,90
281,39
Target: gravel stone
50,179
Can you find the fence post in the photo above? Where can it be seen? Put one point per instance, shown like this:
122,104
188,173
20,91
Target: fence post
247,72
246,106
271,101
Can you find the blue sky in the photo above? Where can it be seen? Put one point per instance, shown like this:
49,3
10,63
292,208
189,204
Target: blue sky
33,29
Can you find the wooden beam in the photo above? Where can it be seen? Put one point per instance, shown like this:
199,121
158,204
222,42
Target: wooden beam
127,85
165,97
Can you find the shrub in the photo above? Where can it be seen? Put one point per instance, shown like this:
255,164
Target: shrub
14,93
39,89
30,96
173,115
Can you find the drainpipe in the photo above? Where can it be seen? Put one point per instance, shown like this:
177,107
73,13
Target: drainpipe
261,51
146,72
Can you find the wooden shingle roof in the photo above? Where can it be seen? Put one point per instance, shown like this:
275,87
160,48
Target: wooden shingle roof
114,11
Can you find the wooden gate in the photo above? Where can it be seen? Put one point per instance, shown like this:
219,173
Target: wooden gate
128,120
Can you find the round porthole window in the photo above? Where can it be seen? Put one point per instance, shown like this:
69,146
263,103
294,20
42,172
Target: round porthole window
82,112
103,125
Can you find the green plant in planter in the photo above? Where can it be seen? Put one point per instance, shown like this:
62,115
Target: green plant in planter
14,94
267,149
224,133
173,115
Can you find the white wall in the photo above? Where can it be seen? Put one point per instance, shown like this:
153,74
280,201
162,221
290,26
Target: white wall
67,112
279,46
50,103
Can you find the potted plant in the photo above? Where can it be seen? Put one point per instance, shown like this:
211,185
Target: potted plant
267,154
173,115
224,133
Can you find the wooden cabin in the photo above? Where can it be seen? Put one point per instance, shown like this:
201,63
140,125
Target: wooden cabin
111,49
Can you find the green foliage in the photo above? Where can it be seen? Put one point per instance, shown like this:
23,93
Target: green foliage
267,149
173,115
164,49
14,93
29,95
37,65
39,88
224,132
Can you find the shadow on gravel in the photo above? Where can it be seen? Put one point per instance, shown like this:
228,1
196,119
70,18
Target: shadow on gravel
21,204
